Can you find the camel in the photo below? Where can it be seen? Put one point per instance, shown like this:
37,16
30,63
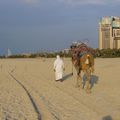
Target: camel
83,60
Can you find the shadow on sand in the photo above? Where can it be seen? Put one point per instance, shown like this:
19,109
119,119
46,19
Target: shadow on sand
67,76
107,118
93,80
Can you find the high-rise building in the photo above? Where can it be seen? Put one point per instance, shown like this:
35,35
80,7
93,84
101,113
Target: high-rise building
109,33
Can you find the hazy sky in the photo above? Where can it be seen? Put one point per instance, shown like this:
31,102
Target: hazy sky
37,25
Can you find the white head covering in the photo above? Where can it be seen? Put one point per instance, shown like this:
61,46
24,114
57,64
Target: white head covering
58,57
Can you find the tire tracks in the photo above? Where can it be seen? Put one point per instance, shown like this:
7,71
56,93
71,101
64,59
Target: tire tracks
37,110
51,108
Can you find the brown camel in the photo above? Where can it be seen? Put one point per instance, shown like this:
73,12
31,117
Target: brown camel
85,63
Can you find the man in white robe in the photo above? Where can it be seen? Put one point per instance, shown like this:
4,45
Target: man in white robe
59,68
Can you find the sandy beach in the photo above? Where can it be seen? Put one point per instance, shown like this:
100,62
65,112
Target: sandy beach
28,91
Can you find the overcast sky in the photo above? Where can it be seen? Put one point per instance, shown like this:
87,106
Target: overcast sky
38,25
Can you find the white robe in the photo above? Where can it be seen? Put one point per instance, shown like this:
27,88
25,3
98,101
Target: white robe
58,67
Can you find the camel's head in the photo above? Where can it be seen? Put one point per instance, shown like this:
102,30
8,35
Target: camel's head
88,56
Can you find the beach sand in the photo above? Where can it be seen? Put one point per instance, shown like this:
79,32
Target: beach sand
28,91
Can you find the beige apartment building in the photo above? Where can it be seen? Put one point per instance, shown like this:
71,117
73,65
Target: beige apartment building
109,32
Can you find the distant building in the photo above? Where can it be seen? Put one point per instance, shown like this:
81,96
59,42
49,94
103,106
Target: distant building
9,53
66,51
109,33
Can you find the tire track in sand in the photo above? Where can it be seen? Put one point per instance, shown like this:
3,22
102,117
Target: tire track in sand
37,110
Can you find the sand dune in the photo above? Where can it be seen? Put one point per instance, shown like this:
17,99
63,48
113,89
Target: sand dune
28,91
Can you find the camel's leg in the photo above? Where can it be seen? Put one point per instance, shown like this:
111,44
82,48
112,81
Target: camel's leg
79,81
88,74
